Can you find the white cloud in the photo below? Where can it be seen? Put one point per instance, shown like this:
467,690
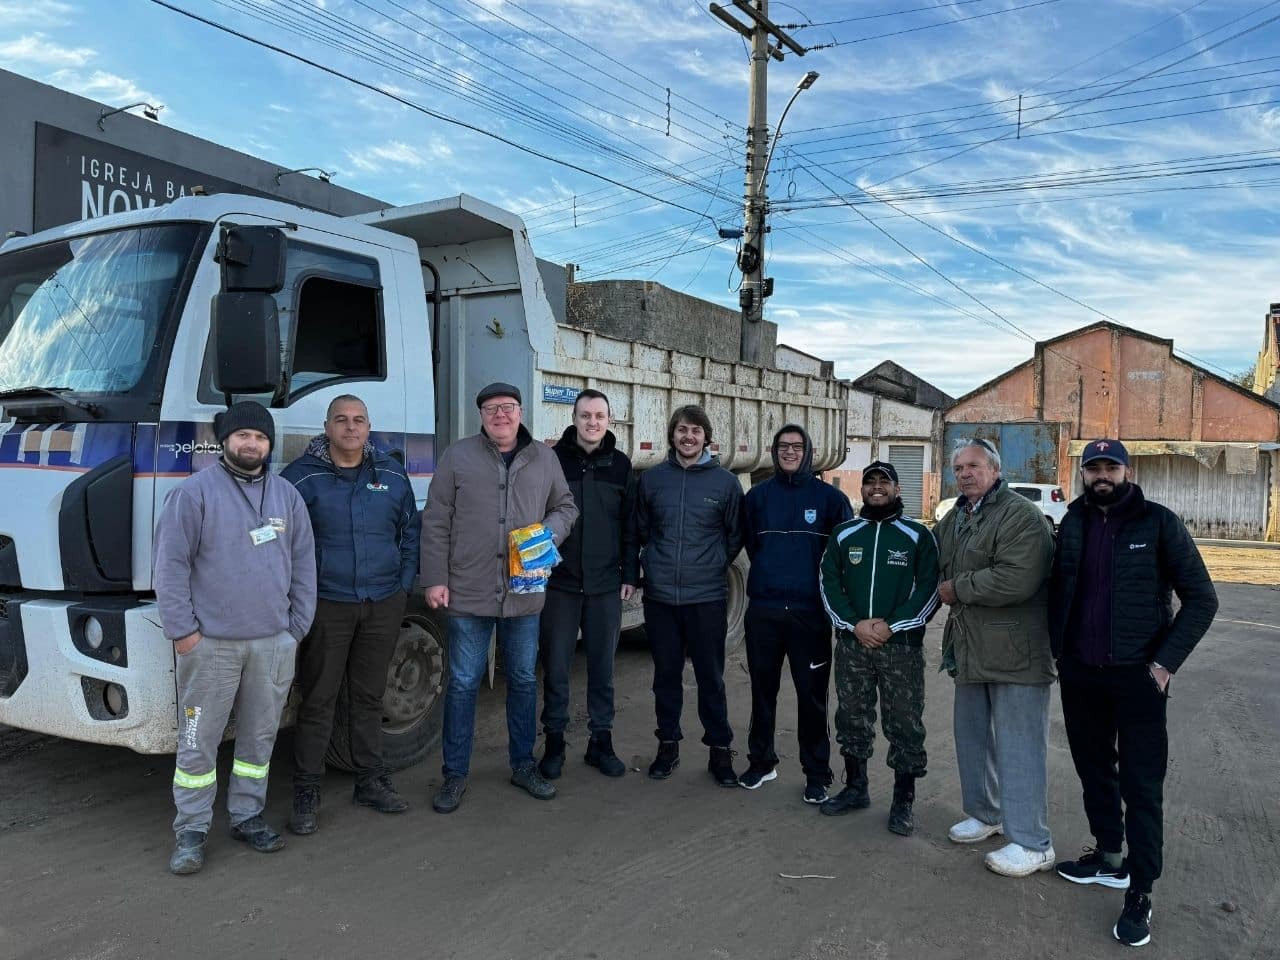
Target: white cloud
43,13
37,50
398,155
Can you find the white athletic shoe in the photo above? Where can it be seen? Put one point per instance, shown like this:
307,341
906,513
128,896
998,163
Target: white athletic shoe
972,830
1015,860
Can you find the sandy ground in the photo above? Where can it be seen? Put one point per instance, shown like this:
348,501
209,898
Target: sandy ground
1242,564
638,868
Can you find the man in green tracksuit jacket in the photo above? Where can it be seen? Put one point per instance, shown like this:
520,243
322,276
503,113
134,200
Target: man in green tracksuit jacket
880,587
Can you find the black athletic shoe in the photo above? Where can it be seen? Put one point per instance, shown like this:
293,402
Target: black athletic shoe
815,790
667,760
306,806
721,766
381,795
528,779
449,796
757,774
1093,868
1134,926
258,835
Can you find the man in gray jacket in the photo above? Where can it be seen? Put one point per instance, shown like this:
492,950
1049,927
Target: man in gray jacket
484,487
687,525
235,579
996,551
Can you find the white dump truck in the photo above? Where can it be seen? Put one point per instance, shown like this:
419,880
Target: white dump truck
121,337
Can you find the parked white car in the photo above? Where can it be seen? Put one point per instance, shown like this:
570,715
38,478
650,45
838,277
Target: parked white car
1049,497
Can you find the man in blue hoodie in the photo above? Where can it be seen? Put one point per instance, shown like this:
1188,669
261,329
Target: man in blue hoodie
366,527
786,522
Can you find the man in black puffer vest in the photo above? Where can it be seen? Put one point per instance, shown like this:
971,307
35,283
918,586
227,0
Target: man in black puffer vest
1118,643
599,570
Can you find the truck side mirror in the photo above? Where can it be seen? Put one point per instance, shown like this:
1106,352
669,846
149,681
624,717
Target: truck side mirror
252,258
246,339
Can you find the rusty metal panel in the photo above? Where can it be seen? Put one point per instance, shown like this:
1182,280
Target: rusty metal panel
1212,503
1028,451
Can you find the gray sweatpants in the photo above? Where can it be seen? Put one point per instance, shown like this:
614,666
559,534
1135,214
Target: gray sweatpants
1002,734
253,676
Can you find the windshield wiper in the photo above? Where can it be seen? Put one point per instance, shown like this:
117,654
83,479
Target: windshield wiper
57,394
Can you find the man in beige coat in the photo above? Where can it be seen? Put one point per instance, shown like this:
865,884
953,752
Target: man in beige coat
996,551
484,487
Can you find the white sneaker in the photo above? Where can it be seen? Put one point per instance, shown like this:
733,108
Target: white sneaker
972,830
1015,860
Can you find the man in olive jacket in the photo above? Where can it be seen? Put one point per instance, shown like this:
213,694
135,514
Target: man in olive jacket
484,487
1118,642
996,550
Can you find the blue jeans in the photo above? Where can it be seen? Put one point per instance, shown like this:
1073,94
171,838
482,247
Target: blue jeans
468,658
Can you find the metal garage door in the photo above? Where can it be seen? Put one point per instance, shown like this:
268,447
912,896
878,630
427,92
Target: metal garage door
909,462
1212,503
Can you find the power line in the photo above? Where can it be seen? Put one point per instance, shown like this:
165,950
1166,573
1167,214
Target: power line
930,26
879,16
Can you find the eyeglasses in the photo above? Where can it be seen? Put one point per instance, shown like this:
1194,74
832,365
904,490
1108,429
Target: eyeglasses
796,447
493,409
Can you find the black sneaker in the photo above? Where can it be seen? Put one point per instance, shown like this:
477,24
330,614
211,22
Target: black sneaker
258,835
528,779
666,761
449,796
720,764
757,774
1134,926
1092,867
815,790
306,805
381,795
188,853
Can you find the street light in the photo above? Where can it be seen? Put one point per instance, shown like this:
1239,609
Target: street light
807,81
150,111
324,175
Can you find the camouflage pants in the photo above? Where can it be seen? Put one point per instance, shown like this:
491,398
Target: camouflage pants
897,672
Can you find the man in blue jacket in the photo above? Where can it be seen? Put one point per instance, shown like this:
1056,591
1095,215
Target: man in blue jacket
785,524
1117,641
366,527
688,526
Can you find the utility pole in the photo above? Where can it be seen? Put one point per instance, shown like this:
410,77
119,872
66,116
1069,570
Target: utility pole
755,286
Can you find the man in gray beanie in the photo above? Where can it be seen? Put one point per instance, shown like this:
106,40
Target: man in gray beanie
235,581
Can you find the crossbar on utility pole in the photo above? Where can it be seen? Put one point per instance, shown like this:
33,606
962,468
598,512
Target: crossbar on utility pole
752,295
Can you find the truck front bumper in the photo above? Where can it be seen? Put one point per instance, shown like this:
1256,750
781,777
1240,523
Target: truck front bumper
98,670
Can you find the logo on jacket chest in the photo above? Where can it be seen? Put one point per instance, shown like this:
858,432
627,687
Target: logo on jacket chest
898,558
811,516
855,555
378,487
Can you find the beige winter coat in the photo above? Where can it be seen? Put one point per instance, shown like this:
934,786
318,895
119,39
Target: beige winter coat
474,502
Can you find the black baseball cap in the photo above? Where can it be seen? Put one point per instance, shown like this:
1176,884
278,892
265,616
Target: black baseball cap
1112,450
887,469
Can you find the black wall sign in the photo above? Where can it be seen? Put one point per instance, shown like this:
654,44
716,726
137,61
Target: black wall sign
79,178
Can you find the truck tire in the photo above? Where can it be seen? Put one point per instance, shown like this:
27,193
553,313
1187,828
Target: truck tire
736,605
413,705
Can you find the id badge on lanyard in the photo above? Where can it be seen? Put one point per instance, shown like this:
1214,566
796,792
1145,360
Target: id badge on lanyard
263,534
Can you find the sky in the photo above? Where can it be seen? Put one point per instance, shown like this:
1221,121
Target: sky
916,213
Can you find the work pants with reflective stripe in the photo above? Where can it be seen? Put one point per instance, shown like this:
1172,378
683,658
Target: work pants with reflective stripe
251,676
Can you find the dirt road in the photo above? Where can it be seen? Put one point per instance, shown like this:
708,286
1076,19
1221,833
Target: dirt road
637,868
1242,564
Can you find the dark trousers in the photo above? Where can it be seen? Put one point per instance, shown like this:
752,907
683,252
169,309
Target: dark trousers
355,641
803,638
1115,720
600,619
696,631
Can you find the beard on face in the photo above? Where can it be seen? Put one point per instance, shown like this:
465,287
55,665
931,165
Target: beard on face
242,463
1110,496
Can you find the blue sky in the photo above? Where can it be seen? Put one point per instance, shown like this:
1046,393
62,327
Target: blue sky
910,222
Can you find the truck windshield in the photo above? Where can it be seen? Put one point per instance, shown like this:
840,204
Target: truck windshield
88,314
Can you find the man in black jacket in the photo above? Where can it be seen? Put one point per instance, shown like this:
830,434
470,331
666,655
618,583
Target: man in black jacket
687,522
1118,644
785,524
599,570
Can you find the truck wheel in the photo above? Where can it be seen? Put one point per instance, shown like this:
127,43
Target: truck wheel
736,606
412,707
